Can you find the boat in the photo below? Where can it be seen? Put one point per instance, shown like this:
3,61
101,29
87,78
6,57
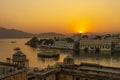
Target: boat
27,43
17,48
13,41
48,54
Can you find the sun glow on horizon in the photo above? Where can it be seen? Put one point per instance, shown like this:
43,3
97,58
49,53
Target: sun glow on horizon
74,16
80,31
83,25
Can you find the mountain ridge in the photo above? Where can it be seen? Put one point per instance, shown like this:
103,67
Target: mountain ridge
14,33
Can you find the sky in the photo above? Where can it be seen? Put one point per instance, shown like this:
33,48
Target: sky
62,16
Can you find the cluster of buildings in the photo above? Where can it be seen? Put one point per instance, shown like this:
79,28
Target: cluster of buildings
95,44
60,44
68,70
18,68
89,43
103,43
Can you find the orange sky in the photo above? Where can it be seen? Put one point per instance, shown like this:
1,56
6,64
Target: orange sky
63,16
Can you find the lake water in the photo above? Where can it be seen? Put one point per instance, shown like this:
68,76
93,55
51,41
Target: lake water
7,50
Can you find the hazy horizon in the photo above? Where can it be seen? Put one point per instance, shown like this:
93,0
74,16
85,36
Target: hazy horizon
63,33
61,16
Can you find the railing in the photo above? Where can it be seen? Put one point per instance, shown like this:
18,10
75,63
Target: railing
12,73
92,73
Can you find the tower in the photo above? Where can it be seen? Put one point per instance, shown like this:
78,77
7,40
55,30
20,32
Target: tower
8,60
68,60
20,59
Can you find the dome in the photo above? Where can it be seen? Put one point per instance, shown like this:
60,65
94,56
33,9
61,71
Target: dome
17,49
68,60
19,56
19,53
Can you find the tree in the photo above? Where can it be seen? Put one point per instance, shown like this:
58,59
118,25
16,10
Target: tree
98,37
41,41
69,40
48,41
85,36
34,41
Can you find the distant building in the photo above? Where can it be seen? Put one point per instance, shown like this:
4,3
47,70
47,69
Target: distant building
77,37
67,70
95,45
115,41
117,48
99,43
62,44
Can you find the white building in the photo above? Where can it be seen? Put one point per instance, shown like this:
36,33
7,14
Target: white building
116,41
95,44
62,44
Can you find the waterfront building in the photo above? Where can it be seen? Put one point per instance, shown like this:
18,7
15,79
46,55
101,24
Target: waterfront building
99,43
15,68
117,48
20,59
77,37
95,45
68,70
115,40
63,44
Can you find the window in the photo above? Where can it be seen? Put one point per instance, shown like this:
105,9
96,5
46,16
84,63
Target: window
103,47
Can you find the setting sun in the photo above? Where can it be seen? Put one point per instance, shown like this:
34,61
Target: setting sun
80,31
37,16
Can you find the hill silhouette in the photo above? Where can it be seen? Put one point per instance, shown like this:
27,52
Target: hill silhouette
13,33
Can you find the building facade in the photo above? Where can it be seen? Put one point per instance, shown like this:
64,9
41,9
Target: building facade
20,59
67,70
94,45
15,68
9,71
62,44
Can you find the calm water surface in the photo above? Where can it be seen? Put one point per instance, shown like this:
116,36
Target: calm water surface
6,50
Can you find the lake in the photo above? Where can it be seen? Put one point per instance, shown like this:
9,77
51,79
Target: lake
7,50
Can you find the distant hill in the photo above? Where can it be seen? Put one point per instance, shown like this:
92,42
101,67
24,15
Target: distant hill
49,35
13,33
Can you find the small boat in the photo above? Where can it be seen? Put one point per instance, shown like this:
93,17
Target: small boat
17,48
13,41
27,43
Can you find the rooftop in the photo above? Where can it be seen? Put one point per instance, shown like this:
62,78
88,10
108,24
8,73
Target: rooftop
85,69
